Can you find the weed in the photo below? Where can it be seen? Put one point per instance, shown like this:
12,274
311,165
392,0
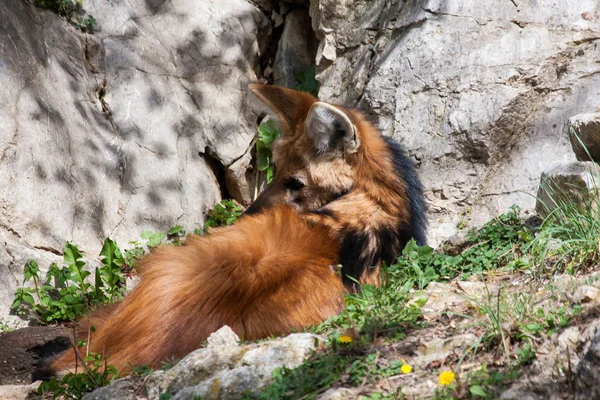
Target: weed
152,239
375,311
175,234
267,133
168,363
497,244
568,237
73,385
494,326
70,10
308,81
526,354
66,293
8,325
488,384
142,370
224,213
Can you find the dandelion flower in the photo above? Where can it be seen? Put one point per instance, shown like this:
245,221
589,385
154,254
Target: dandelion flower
406,369
345,339
446,378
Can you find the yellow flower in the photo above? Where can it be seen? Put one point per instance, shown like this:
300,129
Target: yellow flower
446,378
345,339
406,369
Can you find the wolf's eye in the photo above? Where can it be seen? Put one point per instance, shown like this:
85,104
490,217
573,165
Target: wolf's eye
294,184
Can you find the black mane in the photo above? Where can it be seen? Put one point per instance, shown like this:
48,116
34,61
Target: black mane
390,239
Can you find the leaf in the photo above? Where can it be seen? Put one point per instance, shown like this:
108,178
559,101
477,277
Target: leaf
267,133
110,255
178,229
477,390
308,82
270,174
31,270
155,239
73,258
263,156
28,298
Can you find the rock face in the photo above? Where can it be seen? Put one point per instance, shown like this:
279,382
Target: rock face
586,378
571,182
133,127
584,133
222,370
20,392
297,48
479,93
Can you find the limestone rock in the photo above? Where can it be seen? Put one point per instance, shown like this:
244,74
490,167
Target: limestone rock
20,392
441,298
478,92
568,338
122,389
229,372
297,49
339,394
437,350
569,183
586,294
224,337
584,133
120,131
586,377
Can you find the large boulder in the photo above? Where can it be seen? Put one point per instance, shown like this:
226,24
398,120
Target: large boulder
130,128
224,369
584,133
478,92
574,184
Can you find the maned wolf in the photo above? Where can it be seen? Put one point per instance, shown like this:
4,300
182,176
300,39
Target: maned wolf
342,194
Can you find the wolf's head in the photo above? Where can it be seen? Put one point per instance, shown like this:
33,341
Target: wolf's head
334,165
315,154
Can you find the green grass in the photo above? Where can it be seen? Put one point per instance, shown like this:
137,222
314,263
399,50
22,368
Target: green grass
568,239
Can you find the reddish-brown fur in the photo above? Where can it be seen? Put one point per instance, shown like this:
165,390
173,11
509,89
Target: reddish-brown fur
267,275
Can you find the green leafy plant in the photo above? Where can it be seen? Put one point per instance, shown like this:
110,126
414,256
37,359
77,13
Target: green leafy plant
224,213
153,239
548,322
66,293
8,326
307,381
377,310
70,10
175,234
97,372
526,353
484,384
501,243
308,81
267,133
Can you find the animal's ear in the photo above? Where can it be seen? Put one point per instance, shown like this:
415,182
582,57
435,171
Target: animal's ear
331,129
289,105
